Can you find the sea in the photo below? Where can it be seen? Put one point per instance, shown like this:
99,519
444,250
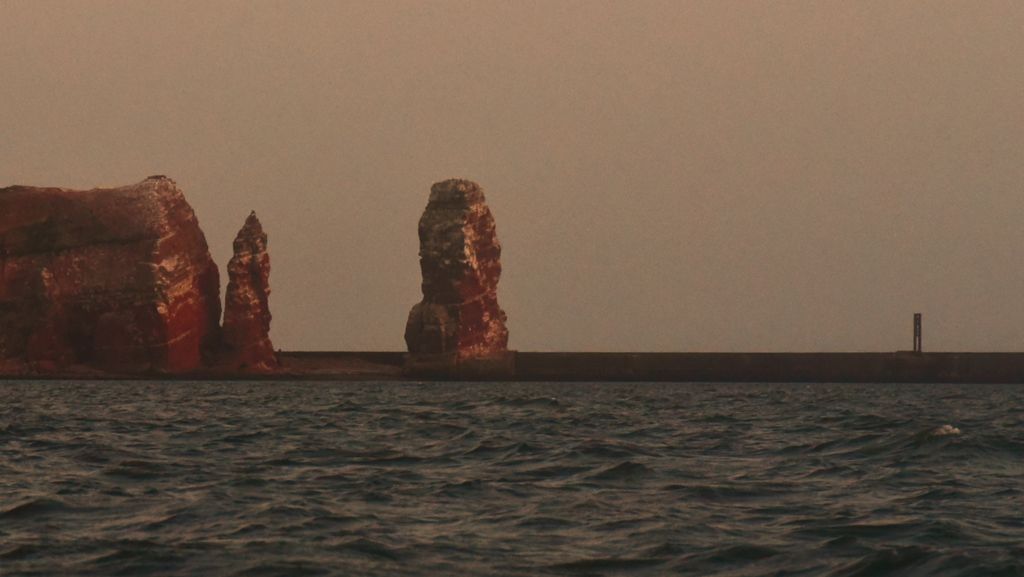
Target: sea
518,479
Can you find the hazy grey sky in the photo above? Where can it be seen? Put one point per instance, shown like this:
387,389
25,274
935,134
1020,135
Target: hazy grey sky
666,175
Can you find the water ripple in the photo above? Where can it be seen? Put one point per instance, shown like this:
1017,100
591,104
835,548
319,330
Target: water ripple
265,478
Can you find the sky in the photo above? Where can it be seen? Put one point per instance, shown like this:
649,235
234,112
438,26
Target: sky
679,175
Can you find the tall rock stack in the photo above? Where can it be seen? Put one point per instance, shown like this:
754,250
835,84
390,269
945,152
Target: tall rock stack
246,331
458,329
118,279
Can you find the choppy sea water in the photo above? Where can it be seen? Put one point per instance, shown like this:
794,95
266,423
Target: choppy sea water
153,478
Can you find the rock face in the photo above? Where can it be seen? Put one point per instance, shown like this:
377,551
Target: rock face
460,262
119,279
246,330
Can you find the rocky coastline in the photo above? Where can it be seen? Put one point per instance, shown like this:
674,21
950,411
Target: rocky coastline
119,283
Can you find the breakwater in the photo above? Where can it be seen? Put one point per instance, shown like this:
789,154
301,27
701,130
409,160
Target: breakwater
894,367
774,367
898,367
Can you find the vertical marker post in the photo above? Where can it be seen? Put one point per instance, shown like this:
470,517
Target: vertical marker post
917,333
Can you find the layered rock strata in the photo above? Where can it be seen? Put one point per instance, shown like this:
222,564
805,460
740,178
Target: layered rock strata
119,279
246,331
459,317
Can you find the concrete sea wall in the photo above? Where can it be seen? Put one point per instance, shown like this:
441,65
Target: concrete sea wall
898,367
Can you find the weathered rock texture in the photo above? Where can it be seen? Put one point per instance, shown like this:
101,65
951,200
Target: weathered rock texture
246,330
119,279
460,261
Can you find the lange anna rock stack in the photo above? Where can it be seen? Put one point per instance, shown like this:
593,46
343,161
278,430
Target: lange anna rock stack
458,329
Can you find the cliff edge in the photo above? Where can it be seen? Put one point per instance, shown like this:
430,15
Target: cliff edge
118,279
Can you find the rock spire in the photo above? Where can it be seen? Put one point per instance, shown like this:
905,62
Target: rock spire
459,316
246,331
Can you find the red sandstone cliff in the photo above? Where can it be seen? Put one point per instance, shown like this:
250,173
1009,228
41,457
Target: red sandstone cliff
460,261
119,279
247,317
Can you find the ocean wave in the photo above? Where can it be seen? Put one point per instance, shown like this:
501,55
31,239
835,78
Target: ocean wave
513,480
37,508
598,565
624,471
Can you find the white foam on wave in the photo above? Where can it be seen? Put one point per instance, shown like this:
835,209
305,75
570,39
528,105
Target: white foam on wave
946,430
